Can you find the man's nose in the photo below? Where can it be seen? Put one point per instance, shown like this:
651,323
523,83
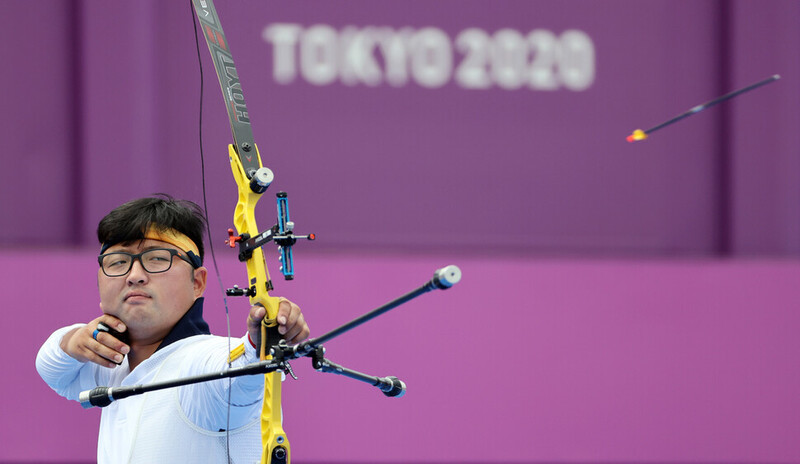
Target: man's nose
137,274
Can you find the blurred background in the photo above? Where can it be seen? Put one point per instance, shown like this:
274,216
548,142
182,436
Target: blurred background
620,302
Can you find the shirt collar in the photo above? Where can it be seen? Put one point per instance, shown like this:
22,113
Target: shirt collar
192,323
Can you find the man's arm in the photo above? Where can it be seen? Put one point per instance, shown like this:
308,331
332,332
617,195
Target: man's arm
63,373
69,359
206,404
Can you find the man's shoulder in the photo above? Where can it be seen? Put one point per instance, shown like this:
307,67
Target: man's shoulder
190,356
197,341
205,346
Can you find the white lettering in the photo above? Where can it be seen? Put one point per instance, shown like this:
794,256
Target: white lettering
542,75
372,55
394,48
431,57
284,38
471,72
318,54
357,57
576,64
509,53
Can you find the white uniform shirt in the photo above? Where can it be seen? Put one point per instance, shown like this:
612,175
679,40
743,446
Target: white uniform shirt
185,424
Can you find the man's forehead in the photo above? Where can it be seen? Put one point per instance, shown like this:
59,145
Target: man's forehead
140,245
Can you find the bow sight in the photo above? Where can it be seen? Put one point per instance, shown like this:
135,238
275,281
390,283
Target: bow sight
282,233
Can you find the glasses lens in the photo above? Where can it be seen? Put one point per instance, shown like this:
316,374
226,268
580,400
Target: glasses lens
116,264
153,261
156,260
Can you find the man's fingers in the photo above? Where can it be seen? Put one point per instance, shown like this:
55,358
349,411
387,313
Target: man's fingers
288,314
87,344
91,356
111,322
291,324
254,318
113,339
109,348
109,344
257,314
105,352
297,332
90,350
106,347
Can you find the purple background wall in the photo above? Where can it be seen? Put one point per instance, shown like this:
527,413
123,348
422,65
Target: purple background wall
524,361
530,359
104,102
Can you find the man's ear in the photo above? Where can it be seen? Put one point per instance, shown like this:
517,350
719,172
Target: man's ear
199,277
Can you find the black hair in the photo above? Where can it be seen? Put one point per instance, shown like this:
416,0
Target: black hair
129,222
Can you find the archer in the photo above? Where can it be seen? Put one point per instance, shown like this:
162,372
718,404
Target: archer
151,283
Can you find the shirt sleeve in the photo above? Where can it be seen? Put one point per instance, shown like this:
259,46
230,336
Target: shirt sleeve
63,373
206,404
248,389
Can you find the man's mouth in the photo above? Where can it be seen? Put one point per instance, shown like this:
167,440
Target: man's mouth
136,296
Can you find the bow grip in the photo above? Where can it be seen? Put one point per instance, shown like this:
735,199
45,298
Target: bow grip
269,325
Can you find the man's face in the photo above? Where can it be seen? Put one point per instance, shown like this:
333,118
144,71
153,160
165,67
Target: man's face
150,304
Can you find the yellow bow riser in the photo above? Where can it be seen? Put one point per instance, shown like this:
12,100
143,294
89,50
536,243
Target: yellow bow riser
272,434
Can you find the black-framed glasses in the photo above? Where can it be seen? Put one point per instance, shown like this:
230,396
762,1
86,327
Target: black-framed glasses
157,260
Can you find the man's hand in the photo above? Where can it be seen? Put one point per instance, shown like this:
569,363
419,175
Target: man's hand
106,350
291,323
